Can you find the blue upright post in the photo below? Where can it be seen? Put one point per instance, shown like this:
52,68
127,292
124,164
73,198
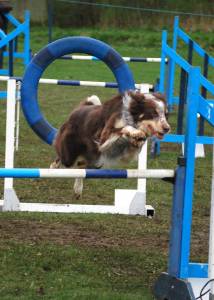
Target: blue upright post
174,285
27,38
180,236
204,92
163,63
193,93
174,262
171,68
155,148
10,58
182,101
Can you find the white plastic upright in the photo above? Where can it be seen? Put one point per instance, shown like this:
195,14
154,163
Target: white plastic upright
133,202
10,201
199,150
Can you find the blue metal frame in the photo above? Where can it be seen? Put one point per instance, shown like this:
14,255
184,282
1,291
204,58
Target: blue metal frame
176,223
189,154
176,59
180,238
20,28
178,33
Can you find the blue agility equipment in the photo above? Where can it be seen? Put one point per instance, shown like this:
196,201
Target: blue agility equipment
85,173
175,283
68,82
10,40
167,82
193,47
53,51
125,58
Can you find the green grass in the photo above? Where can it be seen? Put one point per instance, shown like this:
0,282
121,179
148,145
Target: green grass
71,273
60,256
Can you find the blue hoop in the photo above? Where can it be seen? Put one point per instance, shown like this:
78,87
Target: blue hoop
46,56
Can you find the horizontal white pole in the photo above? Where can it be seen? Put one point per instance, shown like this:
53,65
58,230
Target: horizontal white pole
154,59
125,58
64,173
83,173
68,208
78,82
150,173
92,83
74,208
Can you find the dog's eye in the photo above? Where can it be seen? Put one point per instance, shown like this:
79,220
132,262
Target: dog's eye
152,114
141,117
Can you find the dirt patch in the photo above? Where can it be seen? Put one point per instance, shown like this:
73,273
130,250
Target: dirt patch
64,234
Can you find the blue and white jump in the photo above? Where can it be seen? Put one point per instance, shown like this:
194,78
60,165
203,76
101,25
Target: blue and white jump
180,269
125,58
67,82
85,173
131,201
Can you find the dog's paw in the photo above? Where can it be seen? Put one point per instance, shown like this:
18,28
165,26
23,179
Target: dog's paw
128,130
136,136
137,142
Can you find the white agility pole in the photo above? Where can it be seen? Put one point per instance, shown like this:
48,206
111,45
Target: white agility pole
10,198
211,239
68,82
85,173
18,99
125,58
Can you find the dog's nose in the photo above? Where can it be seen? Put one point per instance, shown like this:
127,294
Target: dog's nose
166,128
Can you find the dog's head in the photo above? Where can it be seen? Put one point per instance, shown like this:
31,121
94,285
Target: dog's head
149,112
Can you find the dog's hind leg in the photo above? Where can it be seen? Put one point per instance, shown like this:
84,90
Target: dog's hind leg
78,187
78,182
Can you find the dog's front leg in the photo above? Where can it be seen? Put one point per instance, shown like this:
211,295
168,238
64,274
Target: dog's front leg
136,136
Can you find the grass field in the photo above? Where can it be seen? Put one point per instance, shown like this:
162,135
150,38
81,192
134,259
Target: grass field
61,256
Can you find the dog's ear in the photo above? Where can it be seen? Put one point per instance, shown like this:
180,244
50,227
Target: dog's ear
137,96
160,96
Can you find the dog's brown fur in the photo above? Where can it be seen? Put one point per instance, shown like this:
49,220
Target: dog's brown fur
96,135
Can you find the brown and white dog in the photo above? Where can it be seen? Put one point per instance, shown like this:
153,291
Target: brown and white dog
97,135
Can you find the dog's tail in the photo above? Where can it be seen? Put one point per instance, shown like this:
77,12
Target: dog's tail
93,100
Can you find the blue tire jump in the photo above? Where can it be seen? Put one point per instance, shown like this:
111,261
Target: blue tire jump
33,73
